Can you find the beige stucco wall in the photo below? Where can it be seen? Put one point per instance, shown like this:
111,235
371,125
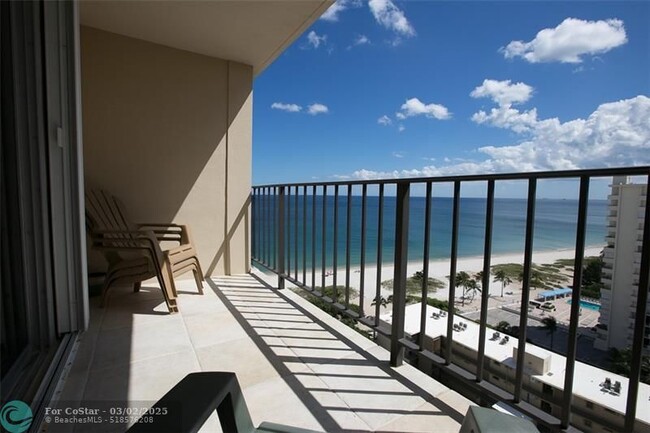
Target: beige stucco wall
169,132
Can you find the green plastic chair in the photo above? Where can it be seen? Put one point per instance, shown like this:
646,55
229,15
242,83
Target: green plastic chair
188,405
486,420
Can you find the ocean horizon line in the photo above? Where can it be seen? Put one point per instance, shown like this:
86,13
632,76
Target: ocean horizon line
412,263
433,197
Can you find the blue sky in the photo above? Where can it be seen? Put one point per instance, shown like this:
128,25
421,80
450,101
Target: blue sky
422,88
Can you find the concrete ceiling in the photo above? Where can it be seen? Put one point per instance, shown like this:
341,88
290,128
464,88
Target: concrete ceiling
253,32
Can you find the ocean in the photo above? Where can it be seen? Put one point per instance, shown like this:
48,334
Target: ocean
555,228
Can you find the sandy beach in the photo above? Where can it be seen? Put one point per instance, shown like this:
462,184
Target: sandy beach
440,269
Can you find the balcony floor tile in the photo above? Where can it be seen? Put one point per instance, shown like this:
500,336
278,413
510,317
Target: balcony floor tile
296,364
241,356
422,419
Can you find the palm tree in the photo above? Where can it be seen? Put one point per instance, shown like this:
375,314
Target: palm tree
462,280
503,278
550,325
472,287
479,280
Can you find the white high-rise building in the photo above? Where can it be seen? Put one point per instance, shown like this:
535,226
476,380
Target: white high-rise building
621,266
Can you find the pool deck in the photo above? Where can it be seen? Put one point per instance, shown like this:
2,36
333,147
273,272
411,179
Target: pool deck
562,313
512,302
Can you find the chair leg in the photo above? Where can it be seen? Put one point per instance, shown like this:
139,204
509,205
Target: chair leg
136,287
199,283
198,276
170,276
166,280
169,300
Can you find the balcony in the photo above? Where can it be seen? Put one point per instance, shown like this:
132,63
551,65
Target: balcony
296,364
340,241
300,366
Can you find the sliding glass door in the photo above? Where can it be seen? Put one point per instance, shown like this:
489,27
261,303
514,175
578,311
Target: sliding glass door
42,296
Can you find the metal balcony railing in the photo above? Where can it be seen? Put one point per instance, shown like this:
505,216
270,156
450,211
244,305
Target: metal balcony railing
298,233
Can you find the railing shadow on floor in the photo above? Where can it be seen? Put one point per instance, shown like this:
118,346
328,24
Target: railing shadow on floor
362,358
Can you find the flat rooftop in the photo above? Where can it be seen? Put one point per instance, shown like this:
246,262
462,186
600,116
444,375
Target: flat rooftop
587,378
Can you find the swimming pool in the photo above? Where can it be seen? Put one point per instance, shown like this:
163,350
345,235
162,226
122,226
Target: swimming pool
588,305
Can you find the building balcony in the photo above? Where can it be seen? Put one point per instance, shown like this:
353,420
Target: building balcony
300,366
333,236
296,364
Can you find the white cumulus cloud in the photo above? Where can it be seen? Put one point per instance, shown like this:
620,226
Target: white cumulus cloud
391,17
358,41
503,92
315,40
569,41
332,13
292,108
507,117
384,120
415,107
616,134
317,108
361,40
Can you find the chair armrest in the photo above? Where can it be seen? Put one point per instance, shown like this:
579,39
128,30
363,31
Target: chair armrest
126,240
186,407
158,225
169,232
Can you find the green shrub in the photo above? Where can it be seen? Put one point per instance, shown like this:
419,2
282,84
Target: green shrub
414,284
335,312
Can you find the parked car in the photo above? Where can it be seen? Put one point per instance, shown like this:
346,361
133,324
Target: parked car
548,306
